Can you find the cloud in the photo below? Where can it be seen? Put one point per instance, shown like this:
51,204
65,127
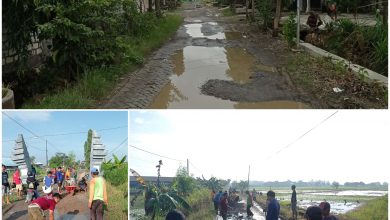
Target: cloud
29,116
139,121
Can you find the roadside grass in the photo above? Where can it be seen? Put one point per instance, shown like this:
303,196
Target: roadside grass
376,209
318,76
117,201
97,84
227,12
201,205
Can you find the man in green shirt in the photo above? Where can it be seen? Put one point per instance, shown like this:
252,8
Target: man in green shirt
249,204
97,195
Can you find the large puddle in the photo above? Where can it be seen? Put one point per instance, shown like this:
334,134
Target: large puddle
352,193
193,66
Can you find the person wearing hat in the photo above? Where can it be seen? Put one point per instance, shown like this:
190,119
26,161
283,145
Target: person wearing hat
313,213
325,207
38,206
97,195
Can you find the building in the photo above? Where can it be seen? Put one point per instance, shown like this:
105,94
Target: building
151,179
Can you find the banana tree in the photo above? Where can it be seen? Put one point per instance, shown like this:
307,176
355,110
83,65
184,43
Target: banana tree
158,202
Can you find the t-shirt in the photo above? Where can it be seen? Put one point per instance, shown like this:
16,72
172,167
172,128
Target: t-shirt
16,178
48,181
60,176
224,205
294,197
4,177
273,210
45,203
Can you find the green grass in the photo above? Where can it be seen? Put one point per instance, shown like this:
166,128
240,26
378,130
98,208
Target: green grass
96,84
201,205
117,201
227,12
376,209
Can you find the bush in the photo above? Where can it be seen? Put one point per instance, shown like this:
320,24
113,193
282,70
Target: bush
289,30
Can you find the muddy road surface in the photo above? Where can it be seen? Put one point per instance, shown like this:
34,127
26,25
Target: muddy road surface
212,62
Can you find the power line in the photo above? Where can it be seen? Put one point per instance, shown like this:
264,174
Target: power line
70,133
29,130
132,146
300,137
116,148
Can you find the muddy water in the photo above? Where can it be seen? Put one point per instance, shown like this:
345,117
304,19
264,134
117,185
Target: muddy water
209,30
193,66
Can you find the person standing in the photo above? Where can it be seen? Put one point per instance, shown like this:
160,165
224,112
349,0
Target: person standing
5,186
254,193
18,183
249,204
60,179
294,203
48,180
216,200
38,206
224,206
97,195
273,209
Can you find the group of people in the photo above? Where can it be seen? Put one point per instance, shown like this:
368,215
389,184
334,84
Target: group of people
321,212
37,205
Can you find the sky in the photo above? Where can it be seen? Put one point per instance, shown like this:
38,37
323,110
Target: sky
348,146
48,123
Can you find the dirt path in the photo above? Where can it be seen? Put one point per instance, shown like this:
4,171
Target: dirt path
212,62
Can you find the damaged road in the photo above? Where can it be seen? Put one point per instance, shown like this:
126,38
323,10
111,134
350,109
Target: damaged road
212,62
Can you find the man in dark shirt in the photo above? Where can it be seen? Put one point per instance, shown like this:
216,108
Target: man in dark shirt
38,206
313,213
273,206
294,203
224,206
5,185
325,207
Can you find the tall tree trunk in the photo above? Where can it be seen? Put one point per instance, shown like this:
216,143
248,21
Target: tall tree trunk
150,5
246,9
308,6
384,12
158,9
253,10
277,18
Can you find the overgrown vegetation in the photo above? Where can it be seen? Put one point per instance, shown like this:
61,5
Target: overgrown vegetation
374,209
358,43
265,9
115,173
289,30
319,76
93,42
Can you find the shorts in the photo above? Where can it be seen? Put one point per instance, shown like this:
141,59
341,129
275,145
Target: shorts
5,189
35,212
19,187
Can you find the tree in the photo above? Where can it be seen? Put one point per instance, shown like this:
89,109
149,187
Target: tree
158,202
158,8
335,185
61,159
183,183
87,149
277,18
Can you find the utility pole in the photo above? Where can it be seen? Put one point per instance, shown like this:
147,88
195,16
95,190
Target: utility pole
249,171
158,172
47,161
188,167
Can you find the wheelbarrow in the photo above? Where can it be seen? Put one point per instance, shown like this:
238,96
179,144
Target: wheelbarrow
70,189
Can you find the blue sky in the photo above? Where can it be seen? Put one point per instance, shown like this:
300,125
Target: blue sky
63,122
350,146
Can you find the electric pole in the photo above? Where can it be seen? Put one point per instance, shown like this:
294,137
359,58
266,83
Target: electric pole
47,161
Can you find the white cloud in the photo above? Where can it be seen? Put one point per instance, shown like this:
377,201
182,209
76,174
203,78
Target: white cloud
139,121
29,116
